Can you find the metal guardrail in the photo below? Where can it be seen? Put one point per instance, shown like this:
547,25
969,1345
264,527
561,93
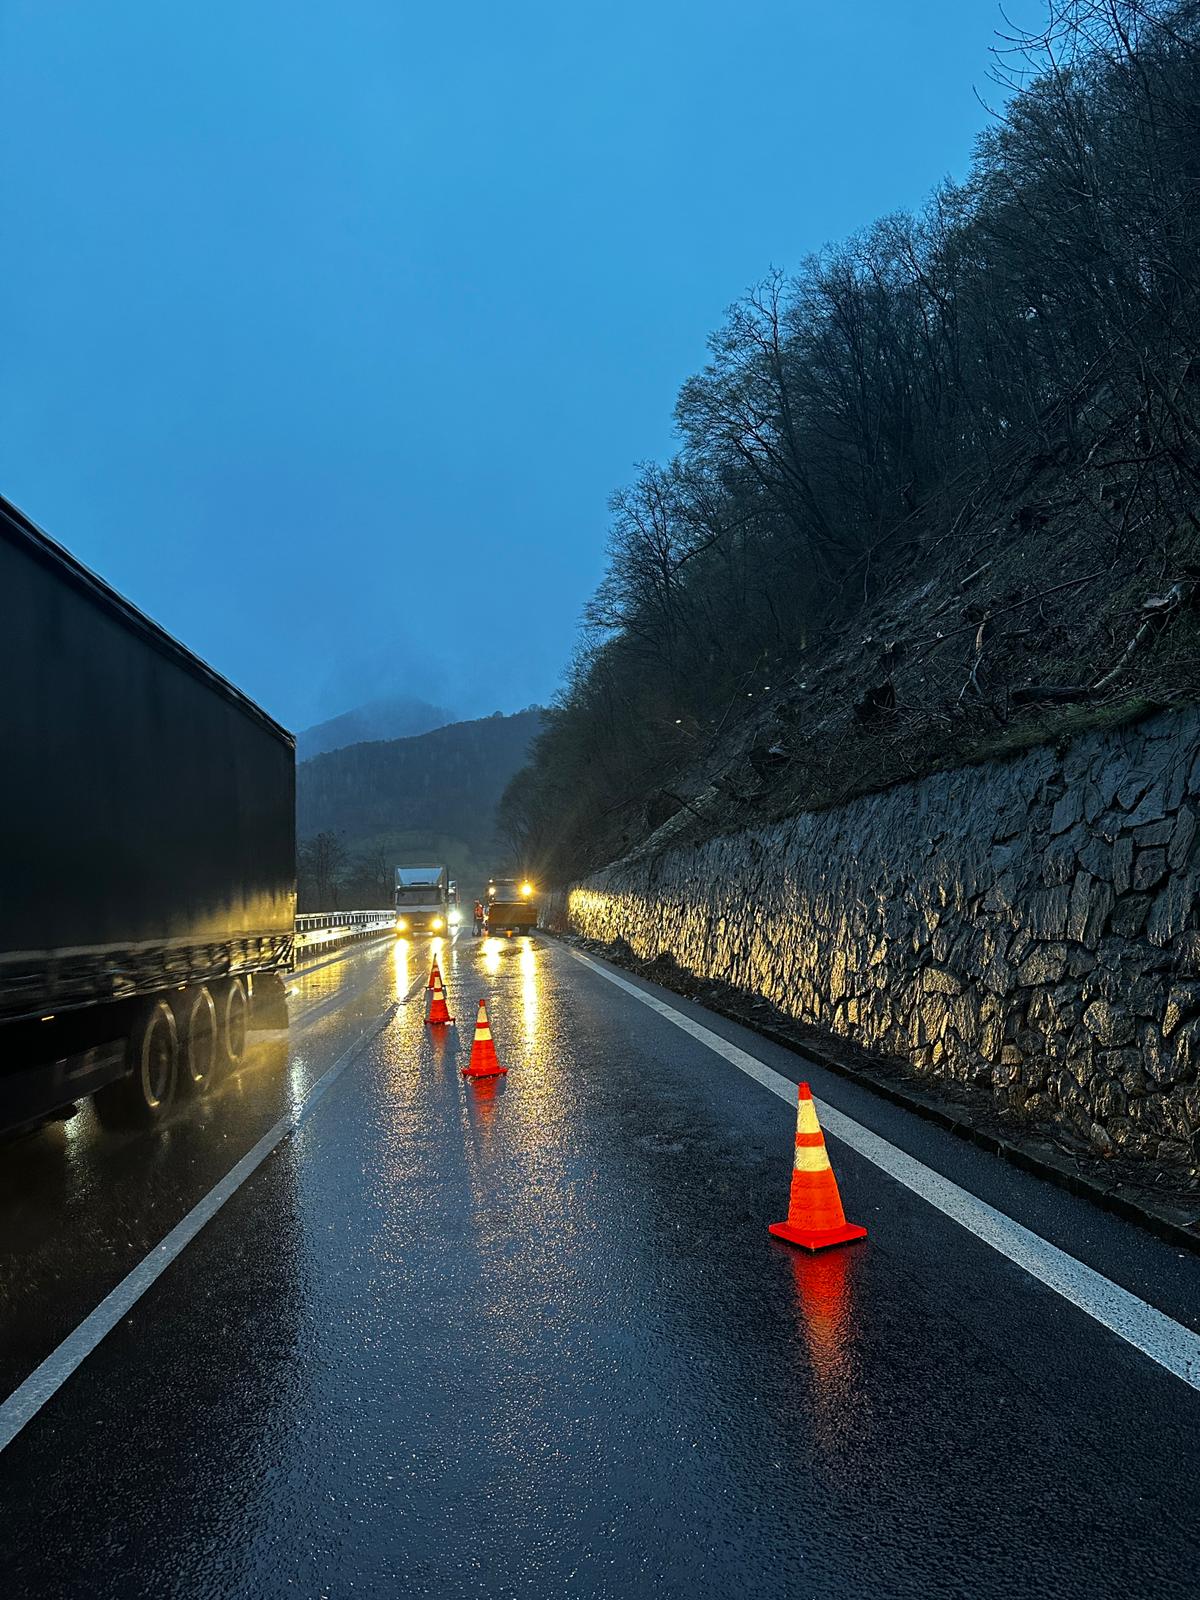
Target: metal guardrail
315,928
308,920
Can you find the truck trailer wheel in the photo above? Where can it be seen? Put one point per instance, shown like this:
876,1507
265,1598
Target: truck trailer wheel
144,1095
196,1026
233,1021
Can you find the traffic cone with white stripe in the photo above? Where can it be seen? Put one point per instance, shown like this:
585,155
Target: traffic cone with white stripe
815,1217
439,1011
435,976
484,1062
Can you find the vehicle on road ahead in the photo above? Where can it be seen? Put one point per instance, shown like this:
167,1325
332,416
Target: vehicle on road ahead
422,899
511,906
148,892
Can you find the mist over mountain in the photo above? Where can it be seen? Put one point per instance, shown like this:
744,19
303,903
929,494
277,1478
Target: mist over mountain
394,717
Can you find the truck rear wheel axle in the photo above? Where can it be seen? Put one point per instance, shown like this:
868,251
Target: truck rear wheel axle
144,1095
196,1025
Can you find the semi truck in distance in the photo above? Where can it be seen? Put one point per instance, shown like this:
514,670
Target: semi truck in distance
511,906
422,900
147,897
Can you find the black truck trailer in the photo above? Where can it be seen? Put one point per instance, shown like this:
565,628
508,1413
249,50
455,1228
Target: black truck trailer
147,850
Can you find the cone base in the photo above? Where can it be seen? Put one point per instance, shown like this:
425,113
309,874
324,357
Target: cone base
484,1072
817,1238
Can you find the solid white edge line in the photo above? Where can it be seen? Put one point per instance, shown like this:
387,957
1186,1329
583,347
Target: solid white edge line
1149,1331
48,1377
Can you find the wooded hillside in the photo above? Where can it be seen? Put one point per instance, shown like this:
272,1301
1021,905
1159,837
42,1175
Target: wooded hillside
936,490
362,810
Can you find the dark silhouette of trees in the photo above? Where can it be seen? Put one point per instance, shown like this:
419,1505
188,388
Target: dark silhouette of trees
1046,308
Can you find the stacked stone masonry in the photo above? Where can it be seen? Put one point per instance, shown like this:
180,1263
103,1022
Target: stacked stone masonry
1029,927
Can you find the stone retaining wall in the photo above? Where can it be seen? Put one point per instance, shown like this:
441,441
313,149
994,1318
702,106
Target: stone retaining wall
1030,927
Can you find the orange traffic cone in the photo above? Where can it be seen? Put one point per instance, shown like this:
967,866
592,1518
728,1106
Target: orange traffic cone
435,976
815,1216
484,1062
439,1012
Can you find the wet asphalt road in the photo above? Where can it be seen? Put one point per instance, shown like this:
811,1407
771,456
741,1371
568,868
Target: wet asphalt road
531,1338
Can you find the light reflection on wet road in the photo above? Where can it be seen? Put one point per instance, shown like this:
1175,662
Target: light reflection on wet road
81,1205
528,1337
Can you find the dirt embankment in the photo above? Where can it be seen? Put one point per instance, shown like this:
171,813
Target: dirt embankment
1063,597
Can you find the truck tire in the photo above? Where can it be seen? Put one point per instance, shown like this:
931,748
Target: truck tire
144,1095
196,1026
233,1021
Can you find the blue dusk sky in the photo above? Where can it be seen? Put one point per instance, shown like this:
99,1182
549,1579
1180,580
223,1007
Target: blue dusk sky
328,329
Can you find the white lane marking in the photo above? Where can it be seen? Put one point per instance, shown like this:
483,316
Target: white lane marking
1152,1332
45,1380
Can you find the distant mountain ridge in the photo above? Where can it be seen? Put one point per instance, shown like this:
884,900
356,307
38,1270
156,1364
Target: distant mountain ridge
405,798
396,717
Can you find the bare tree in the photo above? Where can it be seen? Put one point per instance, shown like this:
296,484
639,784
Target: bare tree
321,860
850,414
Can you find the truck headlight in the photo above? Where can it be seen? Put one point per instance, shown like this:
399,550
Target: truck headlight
527,890
437,922
401,924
